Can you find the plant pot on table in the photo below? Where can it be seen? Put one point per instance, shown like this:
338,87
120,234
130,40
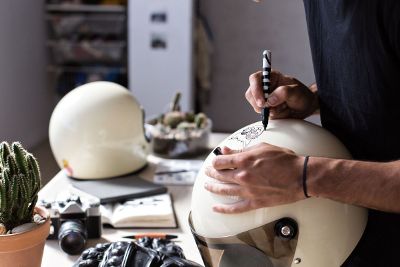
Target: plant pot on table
184,144
25,249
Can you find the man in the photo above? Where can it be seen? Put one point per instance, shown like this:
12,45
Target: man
355,46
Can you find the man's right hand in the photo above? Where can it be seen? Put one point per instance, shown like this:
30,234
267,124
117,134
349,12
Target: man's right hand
289,99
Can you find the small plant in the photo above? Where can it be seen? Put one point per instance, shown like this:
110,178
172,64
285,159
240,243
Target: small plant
179,133
176,121
19,185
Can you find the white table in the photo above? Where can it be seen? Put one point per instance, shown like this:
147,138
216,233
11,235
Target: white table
54,256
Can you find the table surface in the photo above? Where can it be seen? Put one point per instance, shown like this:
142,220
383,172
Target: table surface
181,200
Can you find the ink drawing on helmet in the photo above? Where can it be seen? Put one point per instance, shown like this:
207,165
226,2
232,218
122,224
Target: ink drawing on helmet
245,136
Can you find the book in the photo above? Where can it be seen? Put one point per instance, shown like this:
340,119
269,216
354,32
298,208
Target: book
119,188
146,212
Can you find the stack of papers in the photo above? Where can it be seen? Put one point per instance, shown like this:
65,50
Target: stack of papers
177,172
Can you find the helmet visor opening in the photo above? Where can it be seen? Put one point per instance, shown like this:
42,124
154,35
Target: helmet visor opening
261,246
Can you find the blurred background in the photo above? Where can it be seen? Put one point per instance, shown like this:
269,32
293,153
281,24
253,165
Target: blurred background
205,49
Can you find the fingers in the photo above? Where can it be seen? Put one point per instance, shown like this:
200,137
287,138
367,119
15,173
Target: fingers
285,101
227,151
276,78
252,101
238,207
223,162
227,176
279,96
224,189
280,112
255,94
231,188
234,159
256,89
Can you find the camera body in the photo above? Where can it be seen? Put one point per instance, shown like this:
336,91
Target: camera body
72,209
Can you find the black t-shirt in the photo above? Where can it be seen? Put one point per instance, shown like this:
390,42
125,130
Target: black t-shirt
355,46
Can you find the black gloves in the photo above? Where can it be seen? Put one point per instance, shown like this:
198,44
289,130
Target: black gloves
148,252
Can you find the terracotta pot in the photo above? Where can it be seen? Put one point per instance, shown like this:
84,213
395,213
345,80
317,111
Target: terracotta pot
25,249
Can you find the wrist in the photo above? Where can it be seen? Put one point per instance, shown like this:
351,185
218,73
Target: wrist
313,176
298,185
304,177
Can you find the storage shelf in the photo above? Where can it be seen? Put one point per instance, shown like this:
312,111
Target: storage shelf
84,8
85,43
89,69
87,52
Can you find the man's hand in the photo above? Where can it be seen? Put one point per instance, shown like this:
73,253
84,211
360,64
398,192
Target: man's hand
263,175
289,99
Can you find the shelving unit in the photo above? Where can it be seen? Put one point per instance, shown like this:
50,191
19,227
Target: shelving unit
86,43
84,8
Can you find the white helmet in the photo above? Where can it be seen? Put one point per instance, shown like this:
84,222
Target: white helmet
311,233
97,131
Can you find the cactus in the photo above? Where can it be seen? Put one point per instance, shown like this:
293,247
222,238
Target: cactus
175,106
173,118
184,125
189,116
200,120
19,185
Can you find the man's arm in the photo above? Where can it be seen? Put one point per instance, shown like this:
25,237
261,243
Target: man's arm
265,176
368,184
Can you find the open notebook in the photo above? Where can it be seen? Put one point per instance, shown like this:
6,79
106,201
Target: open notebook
146,212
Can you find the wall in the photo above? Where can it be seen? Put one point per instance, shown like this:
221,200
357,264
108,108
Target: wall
242,30
25,100
170,66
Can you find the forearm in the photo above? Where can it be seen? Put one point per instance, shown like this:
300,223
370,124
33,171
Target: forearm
368,184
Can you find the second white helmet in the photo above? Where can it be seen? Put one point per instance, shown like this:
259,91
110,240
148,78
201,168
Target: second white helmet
97,131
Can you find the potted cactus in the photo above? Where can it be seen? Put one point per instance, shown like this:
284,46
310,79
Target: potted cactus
23,226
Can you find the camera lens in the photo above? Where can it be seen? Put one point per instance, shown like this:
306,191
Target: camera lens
72,237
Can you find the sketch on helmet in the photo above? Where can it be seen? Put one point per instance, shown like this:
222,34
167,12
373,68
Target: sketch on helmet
247,135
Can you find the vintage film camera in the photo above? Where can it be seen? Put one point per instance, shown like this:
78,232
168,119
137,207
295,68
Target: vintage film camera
73,221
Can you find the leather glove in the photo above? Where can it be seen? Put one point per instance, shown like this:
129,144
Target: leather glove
153,253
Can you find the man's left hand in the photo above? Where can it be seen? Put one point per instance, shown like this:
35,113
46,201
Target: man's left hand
262,176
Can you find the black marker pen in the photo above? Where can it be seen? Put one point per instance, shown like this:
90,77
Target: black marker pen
266,82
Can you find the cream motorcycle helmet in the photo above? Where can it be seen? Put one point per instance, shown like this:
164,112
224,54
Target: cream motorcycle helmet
97,131
313,232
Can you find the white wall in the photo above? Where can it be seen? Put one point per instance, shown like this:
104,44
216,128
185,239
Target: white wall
25,100
242,30
155,75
